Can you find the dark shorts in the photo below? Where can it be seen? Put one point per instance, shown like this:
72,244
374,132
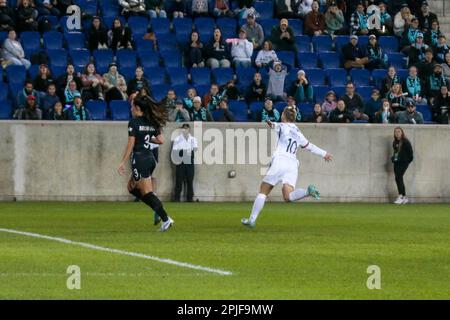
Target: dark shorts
142,166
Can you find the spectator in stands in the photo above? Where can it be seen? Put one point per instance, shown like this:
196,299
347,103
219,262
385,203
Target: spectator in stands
301,89
63,80
335,21
92,84
27,91
98,35
254,31
7,16
13,51
213,97
188,102
47,8
377,58
410,115
133,8
359,115
230,90
433,33
426,17
330,102
341,114
200,113
285,9
417,51
123,88
353,55
49,100
200,8
409,35
227,115
242,50
56,113
388,81
268,112
26,16
174,107
29,111
318,115
257,89
277,75
352,99
385,114
155,8
43,78
386,23
426,66
441,49
112,79
304,7
373,104
446,67
401,20
435,82
120,36
266,55
441,107
217,52
178,8
78,112
222,9
194,52
358,21
290,101
71,92
282,37
314,21
414,86
396,98
138,82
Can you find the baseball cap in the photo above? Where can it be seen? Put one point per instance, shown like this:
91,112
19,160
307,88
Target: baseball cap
372,36
424,3
410,102
185,126
353,36
197,99
301,72
437,65
178,101
250,15
242,30
420,35
31,97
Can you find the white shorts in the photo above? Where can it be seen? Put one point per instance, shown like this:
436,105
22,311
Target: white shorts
284,170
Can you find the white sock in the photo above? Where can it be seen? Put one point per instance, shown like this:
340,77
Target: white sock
257,206
297,194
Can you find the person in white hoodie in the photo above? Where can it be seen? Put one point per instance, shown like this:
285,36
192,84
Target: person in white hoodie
242,50
266,55
13,51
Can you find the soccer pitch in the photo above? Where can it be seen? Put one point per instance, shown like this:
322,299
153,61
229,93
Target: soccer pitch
297,251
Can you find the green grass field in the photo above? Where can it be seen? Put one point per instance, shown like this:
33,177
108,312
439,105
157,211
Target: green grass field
297,251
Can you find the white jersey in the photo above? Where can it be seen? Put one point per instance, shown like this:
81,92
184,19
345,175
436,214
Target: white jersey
289,140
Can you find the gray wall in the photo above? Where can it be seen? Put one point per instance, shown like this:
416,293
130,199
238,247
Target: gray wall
78,161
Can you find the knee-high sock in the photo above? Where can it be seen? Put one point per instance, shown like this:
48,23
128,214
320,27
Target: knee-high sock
297,194
153,202
135,192
257,206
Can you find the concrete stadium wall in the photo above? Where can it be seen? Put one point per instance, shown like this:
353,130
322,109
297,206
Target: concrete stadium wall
77,161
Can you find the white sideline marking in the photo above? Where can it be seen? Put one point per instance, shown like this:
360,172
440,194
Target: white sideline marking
117,251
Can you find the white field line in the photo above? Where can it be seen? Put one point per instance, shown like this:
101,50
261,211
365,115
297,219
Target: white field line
117,251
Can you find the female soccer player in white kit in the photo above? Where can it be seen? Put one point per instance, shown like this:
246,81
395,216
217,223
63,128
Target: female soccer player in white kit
284,165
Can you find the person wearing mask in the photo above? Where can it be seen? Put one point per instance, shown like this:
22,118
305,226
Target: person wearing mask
403,156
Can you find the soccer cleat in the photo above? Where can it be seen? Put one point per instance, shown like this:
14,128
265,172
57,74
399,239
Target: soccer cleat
166,225
399,200
246,222
405,200
313,192
156,219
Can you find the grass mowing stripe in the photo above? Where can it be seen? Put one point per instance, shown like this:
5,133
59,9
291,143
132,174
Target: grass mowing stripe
122,252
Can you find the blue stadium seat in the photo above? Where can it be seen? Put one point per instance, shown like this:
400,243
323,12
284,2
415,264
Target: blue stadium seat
128,72
80,58
102,59
13,89
306,110
52,21
245,75
171,58
397,60
75,40
144,45
315,76
31,42
159,91
3,92
168,42
402,73
3,36
239,110
182,28
120,110
109,8
265,9
88,7
425,110
108,20
53,40
280,105
297,26
254,109
97,109
227,25
5,109
202,89
364,91
204,26
307,60
267,25
339,41
149,58
16,74
303,43
156,75
58,71
57,57
378,75
290,78
177,75
336,77
320,91
201,76
287,57
138,25
222,75
388,43
126,58
363,41
360,77
329,60
32,71
160,26
339,91
217,114
322,43
181,89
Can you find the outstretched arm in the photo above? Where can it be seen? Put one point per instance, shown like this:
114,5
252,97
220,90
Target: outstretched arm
126,155
317,151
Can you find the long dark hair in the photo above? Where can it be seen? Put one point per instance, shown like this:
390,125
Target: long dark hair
153,111
402,138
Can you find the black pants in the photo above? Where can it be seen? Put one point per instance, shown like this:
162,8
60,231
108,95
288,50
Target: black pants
184,172
399,170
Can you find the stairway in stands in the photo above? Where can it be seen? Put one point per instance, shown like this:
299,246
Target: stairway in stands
438,7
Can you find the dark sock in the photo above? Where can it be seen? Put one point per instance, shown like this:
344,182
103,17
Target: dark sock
153,202
135,192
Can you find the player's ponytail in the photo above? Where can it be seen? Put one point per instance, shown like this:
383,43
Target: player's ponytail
153,111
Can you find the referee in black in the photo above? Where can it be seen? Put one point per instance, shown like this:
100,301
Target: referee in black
184,146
